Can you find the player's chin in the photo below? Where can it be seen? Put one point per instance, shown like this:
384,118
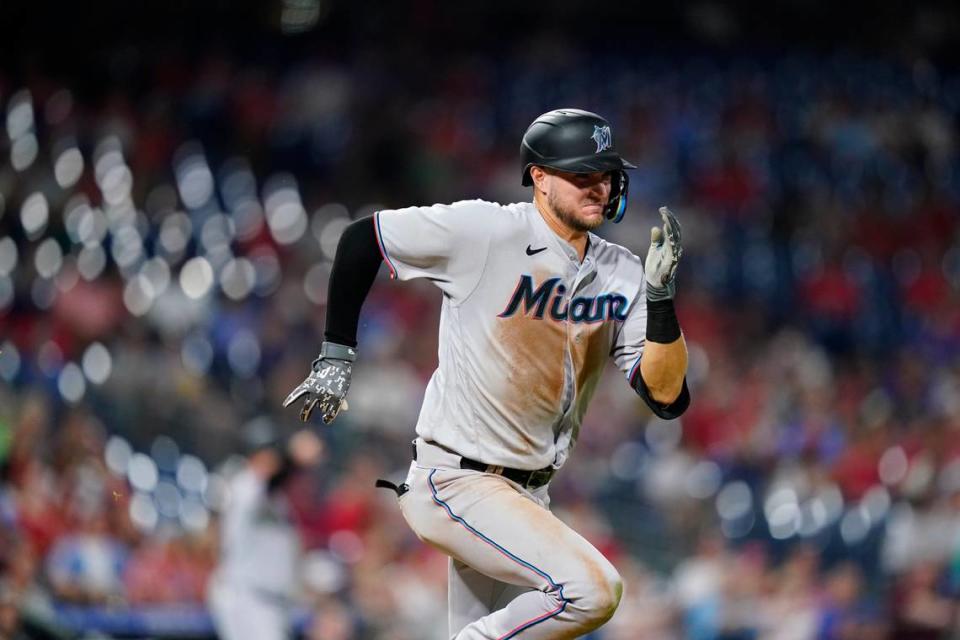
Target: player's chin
592,215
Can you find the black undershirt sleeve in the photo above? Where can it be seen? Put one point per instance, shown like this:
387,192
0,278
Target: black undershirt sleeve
354,269
666,411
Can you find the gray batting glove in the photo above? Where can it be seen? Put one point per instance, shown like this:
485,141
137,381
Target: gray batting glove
660,268
327,384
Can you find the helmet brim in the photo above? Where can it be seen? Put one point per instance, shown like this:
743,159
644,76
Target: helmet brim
583,164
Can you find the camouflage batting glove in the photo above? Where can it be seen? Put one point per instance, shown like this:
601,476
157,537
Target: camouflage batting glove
327,384
660,268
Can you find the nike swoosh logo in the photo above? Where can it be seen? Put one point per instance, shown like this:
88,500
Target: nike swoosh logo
533,252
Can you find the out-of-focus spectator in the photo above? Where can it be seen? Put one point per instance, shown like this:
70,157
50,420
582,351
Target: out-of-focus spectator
844,612
789,608
86,566
698,583
22,570
921,611
332,620
10,623
739,617
169,569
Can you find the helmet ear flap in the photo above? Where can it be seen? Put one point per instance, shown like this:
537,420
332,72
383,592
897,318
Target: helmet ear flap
617,204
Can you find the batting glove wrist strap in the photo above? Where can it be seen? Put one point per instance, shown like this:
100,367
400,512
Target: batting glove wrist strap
659,294
662,324
334,351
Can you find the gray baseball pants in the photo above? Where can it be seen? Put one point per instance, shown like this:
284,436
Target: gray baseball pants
515,570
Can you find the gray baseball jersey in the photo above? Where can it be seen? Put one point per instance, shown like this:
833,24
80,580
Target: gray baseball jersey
525,327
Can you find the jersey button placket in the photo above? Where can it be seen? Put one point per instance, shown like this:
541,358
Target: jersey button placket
572,334
586,273
568,393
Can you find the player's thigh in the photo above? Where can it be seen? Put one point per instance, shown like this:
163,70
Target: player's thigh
483,521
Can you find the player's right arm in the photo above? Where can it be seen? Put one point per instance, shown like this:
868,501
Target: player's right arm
355,267
444,243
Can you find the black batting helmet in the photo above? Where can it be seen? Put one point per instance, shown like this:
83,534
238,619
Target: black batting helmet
576,141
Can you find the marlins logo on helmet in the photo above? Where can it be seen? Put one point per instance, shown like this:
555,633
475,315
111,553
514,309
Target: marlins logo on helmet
601,135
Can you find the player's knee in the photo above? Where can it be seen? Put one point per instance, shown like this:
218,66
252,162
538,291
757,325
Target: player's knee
599,594
607,598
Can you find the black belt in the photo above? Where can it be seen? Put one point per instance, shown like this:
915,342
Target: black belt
527,479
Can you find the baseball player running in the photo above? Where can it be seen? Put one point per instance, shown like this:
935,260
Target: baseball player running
533,305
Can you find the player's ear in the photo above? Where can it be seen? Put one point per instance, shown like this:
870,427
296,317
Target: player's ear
539,177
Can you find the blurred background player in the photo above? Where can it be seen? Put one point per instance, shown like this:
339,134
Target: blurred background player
256,583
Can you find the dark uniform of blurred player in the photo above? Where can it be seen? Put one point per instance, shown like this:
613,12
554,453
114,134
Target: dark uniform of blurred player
534,304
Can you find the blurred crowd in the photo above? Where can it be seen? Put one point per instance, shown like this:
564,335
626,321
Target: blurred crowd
165,241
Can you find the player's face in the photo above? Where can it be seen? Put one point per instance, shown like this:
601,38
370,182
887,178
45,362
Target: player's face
578,199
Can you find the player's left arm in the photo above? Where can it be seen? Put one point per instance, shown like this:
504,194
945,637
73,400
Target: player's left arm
664,362
664,368
661,377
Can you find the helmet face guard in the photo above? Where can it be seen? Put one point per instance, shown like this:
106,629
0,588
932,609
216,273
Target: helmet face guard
576,141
